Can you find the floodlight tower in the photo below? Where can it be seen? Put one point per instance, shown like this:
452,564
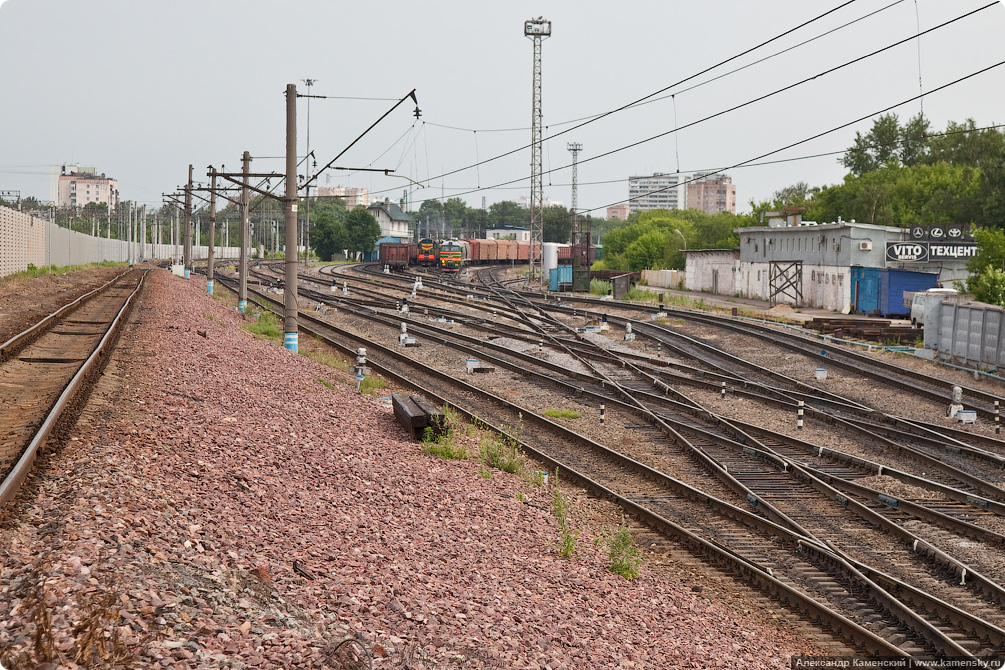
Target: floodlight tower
574,148
537,30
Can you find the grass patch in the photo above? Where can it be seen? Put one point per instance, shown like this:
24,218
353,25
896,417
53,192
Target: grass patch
327,384
327,359
371,382
623,553
562,413
56,270
641,294
600,287
568,539
502,453
444,445
266,326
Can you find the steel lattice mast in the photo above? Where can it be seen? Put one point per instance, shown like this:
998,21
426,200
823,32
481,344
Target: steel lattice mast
574,148
538,30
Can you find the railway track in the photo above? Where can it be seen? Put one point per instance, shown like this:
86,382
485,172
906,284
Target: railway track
934,638
48,366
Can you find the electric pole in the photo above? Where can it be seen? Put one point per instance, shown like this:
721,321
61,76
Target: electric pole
242,290
308,159
538,30
187,250
290,328
212,230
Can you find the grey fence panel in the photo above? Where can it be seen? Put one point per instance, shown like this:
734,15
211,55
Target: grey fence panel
947,318
992,337
960,326
972,335
975,334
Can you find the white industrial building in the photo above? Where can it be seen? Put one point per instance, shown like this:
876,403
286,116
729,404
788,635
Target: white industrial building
806,264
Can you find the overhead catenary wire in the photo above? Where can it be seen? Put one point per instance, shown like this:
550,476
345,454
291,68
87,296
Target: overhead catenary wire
818,135
655,93
689,88
751,162
792,159
749,102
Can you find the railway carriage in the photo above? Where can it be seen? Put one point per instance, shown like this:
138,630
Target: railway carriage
397,255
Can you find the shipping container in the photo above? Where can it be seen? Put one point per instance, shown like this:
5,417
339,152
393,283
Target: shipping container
559,276
880,291
893,283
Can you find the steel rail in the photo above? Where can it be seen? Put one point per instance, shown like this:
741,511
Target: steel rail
8,348
13,481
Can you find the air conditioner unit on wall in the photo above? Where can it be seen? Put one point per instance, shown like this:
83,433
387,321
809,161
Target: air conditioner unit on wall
865,245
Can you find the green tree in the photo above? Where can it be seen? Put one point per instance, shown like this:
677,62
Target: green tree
990,250
647,251
507,213
914,141
988,286
557,224
328,228
362,230
453,213
876,148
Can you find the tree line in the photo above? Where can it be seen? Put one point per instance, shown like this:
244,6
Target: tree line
899,174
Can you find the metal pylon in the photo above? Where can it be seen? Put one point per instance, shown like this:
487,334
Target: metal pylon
538,30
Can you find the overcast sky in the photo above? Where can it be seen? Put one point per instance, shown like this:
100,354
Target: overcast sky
141,89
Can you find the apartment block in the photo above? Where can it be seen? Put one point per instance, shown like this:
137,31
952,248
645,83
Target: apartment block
660,190
77,186
353,197
712,193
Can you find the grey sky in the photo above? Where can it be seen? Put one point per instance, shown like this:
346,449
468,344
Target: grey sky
142,89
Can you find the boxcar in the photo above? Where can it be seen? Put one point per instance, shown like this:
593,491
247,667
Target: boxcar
397,254
507,251
523,251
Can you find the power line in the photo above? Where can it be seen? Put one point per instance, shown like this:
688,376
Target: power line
813,137
689,88
654,93
749,102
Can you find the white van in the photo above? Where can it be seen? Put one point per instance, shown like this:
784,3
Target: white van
924,298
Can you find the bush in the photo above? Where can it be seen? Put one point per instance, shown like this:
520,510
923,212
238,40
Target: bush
568,539
624,555
600,287
502,453
443,445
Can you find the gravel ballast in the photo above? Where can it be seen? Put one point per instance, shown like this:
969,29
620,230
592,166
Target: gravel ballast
225,503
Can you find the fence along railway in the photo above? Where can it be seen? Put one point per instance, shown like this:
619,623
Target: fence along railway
45,369
960,618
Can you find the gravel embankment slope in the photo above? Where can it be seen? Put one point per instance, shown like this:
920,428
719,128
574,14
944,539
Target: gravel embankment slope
167,525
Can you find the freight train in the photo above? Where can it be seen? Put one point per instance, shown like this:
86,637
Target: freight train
451,255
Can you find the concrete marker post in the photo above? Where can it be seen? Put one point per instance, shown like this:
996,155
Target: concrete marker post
723,391
602,414
799,416
997,418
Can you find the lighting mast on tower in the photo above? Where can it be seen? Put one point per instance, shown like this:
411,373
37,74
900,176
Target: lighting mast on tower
537,30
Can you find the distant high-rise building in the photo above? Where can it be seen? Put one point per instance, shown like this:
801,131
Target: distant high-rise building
659,190
619,212
712,193
77,186
353,197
